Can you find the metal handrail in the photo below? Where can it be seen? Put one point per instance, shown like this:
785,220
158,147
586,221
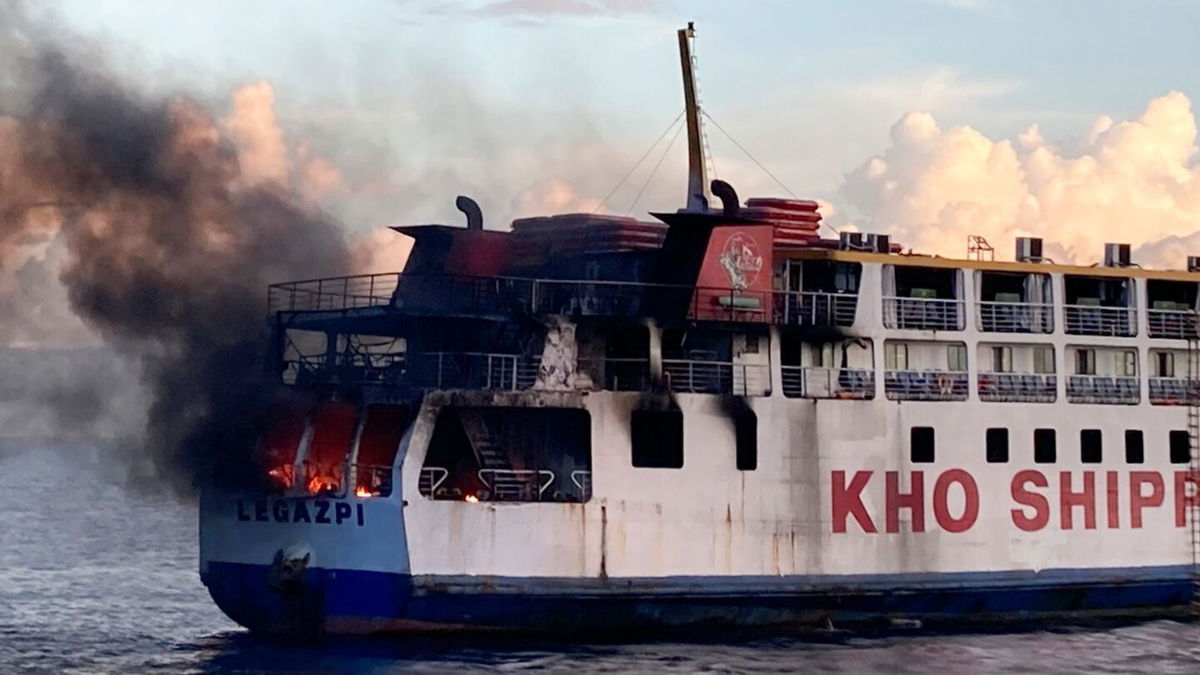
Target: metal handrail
923,313
1015,317
620,374
1123,389
716,377
517,479
817,382
815,308
476,370
1018,387
1173,391
430,479
926,385
1099,320
1172,323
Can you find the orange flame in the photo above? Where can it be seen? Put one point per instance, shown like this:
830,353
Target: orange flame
281,475
471,498
318,484
362,491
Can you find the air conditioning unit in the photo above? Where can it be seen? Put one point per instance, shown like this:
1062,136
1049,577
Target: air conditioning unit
1029,249
850,241
878,243
1117,255
1194,263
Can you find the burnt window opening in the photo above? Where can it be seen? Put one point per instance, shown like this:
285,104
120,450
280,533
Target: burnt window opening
1135,447
381,434
1045,446
1181,447
921,442
824,276
615,357
656,437
1091,449
509,454
927,283
997,445
745,427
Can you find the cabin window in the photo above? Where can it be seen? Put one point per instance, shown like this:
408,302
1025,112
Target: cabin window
1085,361
997,445
1135,447
1090,446
746,436
1043,360
895,356
921,442
956,357
1002,359
1045,446
509,454
657,439
1181,447
1164,364
1125,363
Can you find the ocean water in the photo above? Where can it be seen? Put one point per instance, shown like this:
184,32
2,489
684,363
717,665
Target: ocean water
98,578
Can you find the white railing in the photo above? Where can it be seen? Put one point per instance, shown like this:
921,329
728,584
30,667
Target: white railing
1103,389
926,385
430,479
811,308
475,370
1091,320
923,313
1173,391
1015,317
716,377
617,374
583,480
1024,387
516,484
1172,323
813,382
334,293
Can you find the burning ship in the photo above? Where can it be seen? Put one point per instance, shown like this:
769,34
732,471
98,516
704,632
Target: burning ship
716,418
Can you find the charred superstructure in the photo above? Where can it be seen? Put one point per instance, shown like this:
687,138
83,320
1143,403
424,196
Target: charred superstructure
599,422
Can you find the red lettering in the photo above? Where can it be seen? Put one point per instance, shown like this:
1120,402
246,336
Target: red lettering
847,501
1185,498
1024,497
1112,500
1067,499
1137,500
914,501
941,508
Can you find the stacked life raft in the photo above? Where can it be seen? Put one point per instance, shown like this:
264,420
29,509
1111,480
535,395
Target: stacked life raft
574,234
797,222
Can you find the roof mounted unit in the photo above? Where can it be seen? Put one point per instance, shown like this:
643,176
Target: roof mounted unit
1029,249
1193,263
1117,255
877,243
850,241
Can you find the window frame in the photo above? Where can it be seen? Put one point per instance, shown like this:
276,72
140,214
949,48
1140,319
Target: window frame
1091,452
1039,440
917,445
638,419
1135,446
996,445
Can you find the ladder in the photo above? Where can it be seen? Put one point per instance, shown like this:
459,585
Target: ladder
1193,425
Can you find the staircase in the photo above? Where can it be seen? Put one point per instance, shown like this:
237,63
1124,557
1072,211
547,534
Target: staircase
1193,422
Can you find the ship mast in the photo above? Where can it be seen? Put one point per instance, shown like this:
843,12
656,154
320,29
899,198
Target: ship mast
697,197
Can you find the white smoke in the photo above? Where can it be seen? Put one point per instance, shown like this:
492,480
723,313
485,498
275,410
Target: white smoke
1135,182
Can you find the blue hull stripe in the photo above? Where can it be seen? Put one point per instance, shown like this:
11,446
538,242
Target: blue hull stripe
378,599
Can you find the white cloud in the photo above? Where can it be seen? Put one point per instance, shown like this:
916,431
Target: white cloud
1136,182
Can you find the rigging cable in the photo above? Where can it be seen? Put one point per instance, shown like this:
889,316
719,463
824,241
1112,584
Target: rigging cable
639,162
655,169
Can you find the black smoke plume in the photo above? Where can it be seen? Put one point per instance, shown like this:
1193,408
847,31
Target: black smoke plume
169,248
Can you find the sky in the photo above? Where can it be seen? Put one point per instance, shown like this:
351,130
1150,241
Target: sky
926,118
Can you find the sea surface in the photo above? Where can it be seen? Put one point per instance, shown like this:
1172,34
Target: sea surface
96,577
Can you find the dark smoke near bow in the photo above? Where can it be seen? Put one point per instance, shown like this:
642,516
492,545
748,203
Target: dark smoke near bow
169,248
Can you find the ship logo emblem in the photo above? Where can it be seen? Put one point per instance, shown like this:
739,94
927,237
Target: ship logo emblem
741,260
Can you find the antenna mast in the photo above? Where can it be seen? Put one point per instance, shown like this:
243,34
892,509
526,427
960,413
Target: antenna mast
697,198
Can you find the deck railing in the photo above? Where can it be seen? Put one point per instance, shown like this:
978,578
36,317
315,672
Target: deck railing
474,370
1173,391
811,308
524,485
333,293
1015,317
814,382
926,385
616,374
1092,320
923,313
1172,323
1022,387
716,377
1122,390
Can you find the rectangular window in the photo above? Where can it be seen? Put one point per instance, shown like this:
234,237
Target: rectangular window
921,444
1135,447
1125,364
745,427
657,439
895,356
997,446
956,358
1091,450
1181,447
1002,359
1045,446
1164,364
1043,360
1085,361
